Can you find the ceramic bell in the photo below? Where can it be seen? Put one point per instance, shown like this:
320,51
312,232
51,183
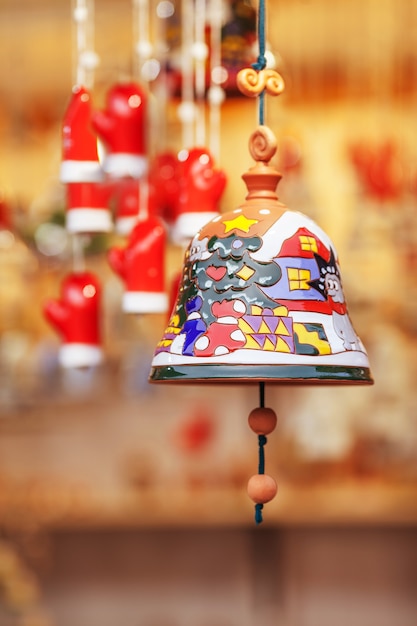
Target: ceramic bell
261,296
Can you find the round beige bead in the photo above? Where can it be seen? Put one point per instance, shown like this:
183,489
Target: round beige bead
262,420
262,488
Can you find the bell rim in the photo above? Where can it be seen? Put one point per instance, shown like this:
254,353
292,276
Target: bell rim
282,374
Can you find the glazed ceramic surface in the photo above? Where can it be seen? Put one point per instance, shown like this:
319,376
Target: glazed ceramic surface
261,298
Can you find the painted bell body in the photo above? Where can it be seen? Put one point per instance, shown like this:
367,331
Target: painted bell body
261,298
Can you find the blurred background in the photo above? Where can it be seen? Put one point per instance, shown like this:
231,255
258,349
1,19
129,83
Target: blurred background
123,502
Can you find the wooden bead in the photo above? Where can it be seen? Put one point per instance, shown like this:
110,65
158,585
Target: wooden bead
262,488
262,420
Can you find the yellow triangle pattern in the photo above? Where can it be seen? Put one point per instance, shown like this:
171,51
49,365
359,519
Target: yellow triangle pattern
281,329
271,345
263,329
244,327
282,346
251,344
268,345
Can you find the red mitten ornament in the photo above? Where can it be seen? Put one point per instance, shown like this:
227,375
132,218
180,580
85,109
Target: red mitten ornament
80,162
88,208
164,185
76,317
379,170
127,201
134,199
141,265
6,222
200,190
122,129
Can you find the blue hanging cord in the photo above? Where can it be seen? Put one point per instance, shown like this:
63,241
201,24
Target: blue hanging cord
262,394
261,61
261,470
261,466
258,513
262,440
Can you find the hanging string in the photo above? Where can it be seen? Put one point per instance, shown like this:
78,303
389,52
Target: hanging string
142,46
261,61
164,11
262,440
80,16
262,394
258,79
216,93
85,62
85,58
187,107
261,466
200,57
142,51
143,205
78,258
